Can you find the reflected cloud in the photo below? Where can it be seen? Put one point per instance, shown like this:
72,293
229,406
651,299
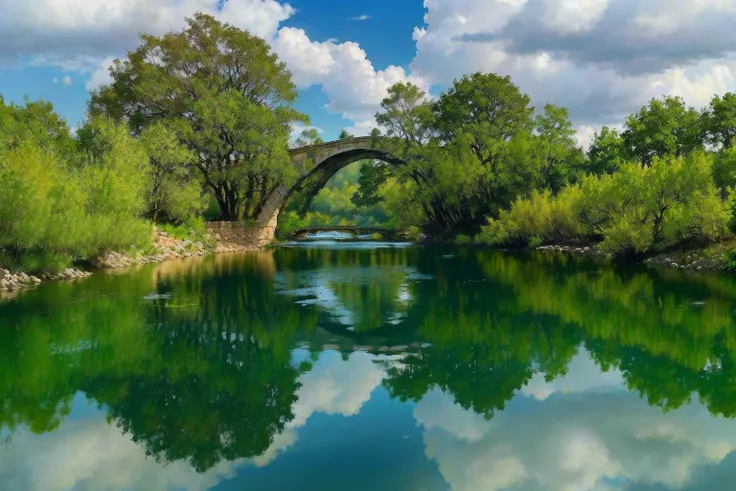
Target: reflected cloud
577,433
583,375
87,453
91,455
350,294
333,386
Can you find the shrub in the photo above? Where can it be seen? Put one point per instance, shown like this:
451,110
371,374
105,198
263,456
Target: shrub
729,260
541,217
636,209
54,212
463,240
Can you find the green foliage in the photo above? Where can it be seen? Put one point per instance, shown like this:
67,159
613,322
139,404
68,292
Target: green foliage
309,136
540,218
636,209
344,135
413,233
606,152
720,120
175,192
34,122
729,260
372,176
471,153
463,240
227,97
406,114
663,127
55,211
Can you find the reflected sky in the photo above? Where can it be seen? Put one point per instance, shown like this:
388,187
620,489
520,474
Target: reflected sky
411,368
585,431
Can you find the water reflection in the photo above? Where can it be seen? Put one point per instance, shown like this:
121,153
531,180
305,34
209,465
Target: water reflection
370,368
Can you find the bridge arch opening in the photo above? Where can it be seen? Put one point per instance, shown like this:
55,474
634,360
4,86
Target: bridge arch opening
318,165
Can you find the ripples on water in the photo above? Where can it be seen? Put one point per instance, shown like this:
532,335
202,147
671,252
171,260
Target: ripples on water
357,366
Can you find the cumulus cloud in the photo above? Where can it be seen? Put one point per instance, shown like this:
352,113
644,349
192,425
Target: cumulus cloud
583,432
361,17
602,59
70,29
67,80
348,78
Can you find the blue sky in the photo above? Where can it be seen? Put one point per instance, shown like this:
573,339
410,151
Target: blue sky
383,28
601,59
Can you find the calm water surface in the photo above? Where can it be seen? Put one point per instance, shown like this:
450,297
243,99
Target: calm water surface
346,366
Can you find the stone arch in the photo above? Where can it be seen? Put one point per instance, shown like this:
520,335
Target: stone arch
328,158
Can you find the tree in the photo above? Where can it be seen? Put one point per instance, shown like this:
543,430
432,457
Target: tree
173,191
606,153
663,127
37,122
720,120
406,114
344,135
484,111
307,137
227,95
560,157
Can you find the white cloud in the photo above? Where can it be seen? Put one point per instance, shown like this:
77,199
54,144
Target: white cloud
361,17
91,454
644,48
583,432
354,87
100,76
78,34
545,46
67,80
55,80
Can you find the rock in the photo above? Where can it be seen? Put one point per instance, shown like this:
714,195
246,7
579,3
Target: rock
674,265
35,279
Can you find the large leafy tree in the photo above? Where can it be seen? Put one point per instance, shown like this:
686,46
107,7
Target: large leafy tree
484,111
720,120
606,152
227,95
663,127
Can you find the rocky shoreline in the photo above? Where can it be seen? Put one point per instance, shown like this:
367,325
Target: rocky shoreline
692,261
166,248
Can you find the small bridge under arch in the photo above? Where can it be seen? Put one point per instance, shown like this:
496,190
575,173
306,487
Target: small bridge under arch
327,159
302,233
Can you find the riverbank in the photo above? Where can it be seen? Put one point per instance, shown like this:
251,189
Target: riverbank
216,239
709,257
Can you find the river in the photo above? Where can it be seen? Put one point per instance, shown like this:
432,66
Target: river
371,366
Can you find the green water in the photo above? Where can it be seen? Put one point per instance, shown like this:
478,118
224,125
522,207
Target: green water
371,367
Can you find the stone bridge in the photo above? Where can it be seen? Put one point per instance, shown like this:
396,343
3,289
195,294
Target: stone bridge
324,161
351,229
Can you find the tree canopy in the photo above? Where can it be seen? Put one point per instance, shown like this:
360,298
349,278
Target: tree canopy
227,97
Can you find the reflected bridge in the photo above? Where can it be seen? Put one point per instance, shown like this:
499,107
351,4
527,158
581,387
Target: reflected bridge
354,230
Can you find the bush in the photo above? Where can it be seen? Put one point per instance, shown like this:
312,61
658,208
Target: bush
540,218
53,213
636,209
463,240
729,260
